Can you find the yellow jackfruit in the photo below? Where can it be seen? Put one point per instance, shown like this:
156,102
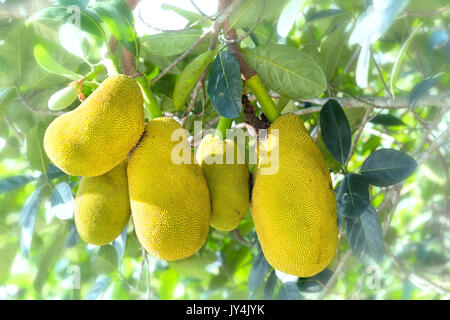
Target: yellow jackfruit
102,206
170,201
228,181
98,135
294,210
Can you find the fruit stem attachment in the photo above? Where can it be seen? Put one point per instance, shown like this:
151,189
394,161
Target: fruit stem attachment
149,99
222,126
268,107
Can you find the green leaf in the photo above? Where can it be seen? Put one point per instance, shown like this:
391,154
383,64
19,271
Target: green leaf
120,244
45,60
35,148
168,280
289,291
387,120
118,17
323,14
16,54
188,15
288,16
225,85
98,288
362,66
48,259
15,182
7,254
270,286
28,219
399,58
353,195
373,23
332,48
6,97
105,262
89,22
170,44
287,70
258,272
386,167
62,202
247,13
365,235
72,237
189,77
335,130
315,283
62,98
422,88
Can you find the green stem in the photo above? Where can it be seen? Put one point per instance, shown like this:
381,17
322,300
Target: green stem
111,64
149,99
96,69
222,126
282,103
268,107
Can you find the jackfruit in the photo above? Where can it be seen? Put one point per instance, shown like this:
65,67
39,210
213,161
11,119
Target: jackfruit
228,181
97,136
170,201
294,209
102,206
63,98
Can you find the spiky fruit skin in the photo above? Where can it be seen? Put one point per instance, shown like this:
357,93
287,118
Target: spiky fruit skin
170,201
97,136
294,210
102,206
228,183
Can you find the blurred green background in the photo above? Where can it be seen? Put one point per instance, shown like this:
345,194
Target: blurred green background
41,256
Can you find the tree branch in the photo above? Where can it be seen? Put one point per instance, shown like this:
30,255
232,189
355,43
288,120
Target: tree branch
418,280
220,19
33,109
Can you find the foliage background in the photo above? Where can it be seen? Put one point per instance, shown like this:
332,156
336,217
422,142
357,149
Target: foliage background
40,253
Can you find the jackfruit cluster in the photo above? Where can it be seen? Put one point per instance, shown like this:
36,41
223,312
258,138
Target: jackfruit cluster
148,172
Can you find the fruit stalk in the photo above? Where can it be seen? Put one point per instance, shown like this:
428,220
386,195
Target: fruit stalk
268,107
149,98
222,126
250,76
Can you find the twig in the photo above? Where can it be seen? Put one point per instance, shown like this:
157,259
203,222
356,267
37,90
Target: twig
190,27
358,135
245,35
181,57
418,280
14,129
220,19
33,109
352,60
201,11
439,101
381,75
201,80
237,236
329,285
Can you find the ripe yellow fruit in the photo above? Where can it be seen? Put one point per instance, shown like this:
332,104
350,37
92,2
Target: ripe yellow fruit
228,181
97,136
170,201
102,206
294,210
